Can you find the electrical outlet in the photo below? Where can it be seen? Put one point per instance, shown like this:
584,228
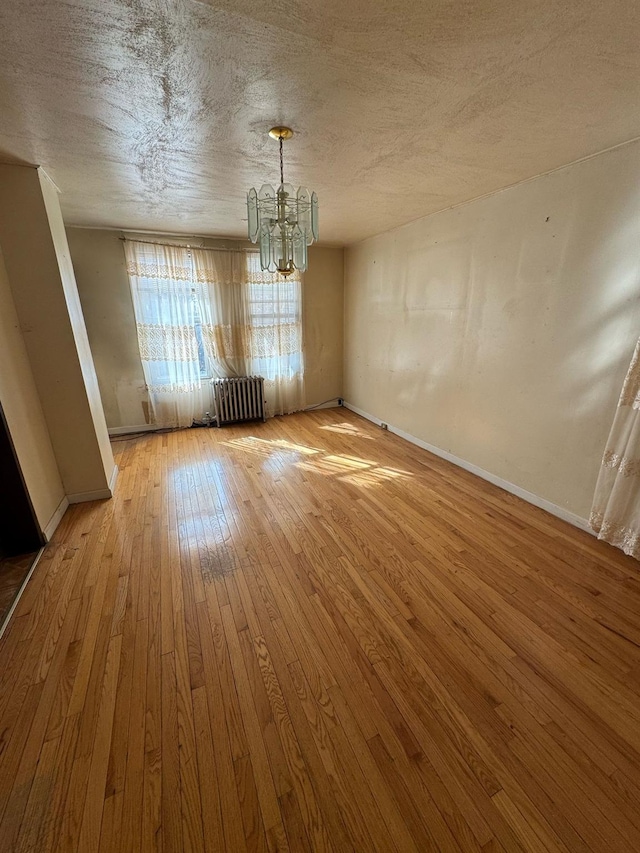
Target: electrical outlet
340,401
383,426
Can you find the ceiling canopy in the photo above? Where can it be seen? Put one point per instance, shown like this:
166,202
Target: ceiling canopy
152,115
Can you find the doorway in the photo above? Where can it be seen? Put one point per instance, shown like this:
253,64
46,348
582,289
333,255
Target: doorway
20,534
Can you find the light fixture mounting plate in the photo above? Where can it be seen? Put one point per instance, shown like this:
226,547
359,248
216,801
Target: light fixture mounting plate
281,132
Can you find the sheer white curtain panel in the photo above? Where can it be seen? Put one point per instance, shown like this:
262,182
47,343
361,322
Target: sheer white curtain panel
615,514
164,302
252,324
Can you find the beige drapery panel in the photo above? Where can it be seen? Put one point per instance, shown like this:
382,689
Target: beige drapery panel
252,324
615,514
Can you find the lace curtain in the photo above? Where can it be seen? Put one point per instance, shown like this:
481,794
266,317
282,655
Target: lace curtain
165,310
202,312
252,324
615,514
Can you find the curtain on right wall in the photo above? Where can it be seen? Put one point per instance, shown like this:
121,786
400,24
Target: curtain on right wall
615,514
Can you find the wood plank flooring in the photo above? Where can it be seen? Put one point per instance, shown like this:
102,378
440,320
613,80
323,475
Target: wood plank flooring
13,571
309,635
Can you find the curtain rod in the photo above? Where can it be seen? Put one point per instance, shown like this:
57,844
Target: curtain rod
186,246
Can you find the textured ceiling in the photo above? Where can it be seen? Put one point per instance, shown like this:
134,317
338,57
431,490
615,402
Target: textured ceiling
152,114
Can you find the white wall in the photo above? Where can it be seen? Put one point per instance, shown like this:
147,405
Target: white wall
501,331
98,260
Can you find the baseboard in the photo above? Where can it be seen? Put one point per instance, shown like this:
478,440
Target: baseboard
56,518
127,430
98,494
23,586
81,497
530,497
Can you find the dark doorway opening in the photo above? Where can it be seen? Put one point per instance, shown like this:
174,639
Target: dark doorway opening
20,534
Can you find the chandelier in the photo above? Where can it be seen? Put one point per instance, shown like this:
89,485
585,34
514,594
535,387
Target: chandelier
283,221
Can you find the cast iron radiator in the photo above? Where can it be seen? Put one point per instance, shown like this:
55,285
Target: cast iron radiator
238,399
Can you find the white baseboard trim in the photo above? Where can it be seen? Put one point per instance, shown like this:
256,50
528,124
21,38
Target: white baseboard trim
23,586
56,518
98,494
81,497
126,430
542,503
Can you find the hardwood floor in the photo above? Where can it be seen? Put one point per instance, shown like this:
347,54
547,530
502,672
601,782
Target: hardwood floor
13,571
311,635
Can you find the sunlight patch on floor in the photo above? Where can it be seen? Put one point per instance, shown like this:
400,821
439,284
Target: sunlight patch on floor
347,429
352,469
267,446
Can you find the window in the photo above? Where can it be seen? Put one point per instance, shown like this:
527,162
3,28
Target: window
204,312
203,361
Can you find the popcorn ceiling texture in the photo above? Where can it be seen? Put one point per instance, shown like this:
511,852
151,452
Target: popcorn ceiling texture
151,114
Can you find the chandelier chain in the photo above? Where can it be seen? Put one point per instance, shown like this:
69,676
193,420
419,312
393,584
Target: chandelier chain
281,164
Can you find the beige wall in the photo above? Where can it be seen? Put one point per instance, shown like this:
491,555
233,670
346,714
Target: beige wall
501,331
21,404
78,327
323,298
42,285
98,260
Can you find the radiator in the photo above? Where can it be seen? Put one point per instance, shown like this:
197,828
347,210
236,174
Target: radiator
238,399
